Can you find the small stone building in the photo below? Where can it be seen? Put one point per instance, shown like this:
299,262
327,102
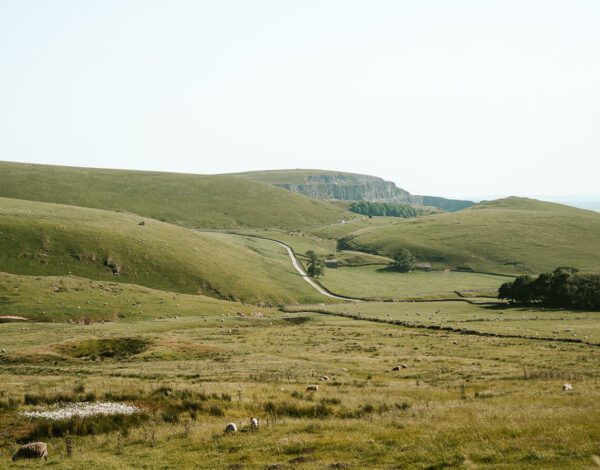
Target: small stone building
422,267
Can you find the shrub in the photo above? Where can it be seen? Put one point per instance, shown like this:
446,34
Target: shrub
215,410
320,410
170,415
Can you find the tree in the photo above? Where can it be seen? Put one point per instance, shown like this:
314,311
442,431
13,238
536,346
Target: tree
563,287
316,265
404,261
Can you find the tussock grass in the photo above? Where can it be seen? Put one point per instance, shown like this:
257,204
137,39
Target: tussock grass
460,398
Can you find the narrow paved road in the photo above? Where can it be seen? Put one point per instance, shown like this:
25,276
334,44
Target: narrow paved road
307,278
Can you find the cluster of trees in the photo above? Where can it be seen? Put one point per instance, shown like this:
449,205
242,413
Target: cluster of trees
564,287
384,209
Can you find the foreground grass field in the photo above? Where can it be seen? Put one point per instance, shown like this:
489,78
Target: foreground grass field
379,282
512,235
51,239
463,401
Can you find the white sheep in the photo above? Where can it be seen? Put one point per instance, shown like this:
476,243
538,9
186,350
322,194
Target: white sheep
231,428
254,423
312,388
33,450
324,378
567,387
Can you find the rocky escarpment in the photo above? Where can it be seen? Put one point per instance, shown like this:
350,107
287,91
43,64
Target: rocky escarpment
346,187
351,187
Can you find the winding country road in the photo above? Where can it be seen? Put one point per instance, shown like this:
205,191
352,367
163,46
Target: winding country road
307,278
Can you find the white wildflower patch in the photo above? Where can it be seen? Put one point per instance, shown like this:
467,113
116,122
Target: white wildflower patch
83,410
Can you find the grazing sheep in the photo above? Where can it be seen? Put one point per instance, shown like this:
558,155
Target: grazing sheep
567,387
231,428
254,423
312,388
324,378
33,450
396,368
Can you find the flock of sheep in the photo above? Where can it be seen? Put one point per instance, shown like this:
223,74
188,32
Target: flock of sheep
232,428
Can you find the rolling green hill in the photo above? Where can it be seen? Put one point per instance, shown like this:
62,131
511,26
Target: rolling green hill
218,201
49,239
513,235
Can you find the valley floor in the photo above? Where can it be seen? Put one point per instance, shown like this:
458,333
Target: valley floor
461,383
463,401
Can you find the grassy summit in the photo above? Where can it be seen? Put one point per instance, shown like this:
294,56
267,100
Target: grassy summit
191,200
49,239
510,235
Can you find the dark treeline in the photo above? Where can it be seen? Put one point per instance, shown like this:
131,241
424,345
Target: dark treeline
564,287
384,209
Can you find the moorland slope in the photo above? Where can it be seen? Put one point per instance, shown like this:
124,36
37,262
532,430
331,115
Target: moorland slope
200,201
512,235
39,238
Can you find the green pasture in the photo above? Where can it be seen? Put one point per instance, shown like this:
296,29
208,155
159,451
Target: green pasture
380,282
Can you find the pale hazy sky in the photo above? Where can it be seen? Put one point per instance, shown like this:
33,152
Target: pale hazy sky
452,98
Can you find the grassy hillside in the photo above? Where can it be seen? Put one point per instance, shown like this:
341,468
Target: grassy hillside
513,235
50,239
184,199
60,298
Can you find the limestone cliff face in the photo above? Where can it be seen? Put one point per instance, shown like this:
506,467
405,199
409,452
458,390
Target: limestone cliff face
353,187
345,187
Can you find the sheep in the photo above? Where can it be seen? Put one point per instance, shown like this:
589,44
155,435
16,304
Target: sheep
324,378
567,387
231,428
312,388
254,423
396,368
33,450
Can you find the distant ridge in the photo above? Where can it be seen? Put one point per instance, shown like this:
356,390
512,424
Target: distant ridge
340,186
200,201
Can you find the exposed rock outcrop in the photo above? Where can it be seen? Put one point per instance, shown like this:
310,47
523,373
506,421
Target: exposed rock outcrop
353,187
